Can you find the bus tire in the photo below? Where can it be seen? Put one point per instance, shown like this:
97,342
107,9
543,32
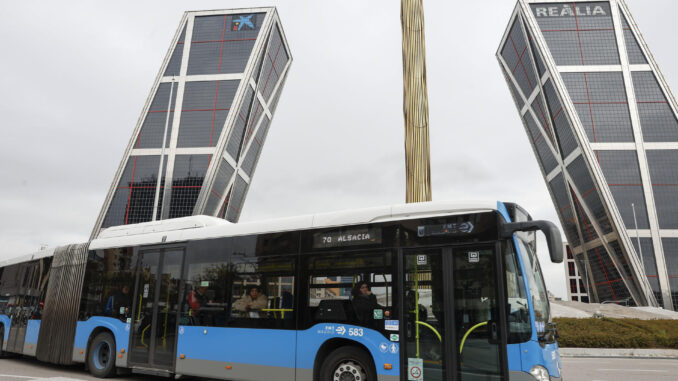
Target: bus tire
348,363
101,356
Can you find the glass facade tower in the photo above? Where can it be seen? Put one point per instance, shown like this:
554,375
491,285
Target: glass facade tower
200,134
603,125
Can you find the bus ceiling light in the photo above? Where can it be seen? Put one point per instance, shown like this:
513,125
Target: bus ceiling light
540,373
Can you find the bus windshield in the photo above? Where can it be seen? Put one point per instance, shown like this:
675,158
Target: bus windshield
540,301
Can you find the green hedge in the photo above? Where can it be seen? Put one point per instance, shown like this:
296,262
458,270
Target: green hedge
617,333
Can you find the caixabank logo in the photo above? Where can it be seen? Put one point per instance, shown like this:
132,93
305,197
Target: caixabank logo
243,22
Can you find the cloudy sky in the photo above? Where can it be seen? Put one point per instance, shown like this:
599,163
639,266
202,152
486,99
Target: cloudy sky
74,76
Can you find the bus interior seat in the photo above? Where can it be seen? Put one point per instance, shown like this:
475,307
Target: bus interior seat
334,310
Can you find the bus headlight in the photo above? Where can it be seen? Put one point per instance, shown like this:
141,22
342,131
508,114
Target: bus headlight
540,373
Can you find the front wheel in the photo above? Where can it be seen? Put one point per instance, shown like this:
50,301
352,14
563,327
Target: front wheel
101,356
348,364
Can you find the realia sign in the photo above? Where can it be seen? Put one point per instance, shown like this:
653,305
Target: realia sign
567,10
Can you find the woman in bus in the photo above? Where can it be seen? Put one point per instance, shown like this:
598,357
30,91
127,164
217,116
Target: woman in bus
251,303
364,301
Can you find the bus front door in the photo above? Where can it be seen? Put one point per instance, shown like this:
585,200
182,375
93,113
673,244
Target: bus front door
153,338
453,323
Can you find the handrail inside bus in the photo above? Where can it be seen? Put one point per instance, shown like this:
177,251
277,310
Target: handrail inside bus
463,340
432,329
143,332
281,310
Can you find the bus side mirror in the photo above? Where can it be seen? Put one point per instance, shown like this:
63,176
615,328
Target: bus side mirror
553,238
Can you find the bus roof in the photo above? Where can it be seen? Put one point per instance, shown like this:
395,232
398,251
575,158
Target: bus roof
28,257
203,227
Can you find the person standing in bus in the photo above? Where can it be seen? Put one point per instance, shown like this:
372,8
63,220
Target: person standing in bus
197,298
364,301
252,302
118,304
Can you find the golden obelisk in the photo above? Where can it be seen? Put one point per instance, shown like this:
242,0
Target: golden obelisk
415,103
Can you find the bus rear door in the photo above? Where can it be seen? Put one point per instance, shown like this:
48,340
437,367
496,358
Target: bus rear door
453,320
153,337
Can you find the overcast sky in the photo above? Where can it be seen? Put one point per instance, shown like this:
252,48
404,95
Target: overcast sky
74,77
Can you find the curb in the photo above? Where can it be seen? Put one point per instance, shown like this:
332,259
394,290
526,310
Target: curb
619,353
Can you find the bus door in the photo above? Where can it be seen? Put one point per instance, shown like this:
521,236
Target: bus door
21,311
453,323
153,337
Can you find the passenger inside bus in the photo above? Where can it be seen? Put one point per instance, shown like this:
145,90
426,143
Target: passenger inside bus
118,304
364,301
251,304
198,298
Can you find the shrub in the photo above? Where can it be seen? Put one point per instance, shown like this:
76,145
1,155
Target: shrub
617,333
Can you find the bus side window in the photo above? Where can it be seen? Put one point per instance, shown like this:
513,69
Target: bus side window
263,292
109,284
351,288
206,276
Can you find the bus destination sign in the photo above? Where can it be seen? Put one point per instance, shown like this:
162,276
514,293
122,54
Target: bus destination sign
445,229
350,237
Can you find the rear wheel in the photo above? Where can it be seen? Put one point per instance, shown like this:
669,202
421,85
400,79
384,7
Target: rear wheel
101,356
348,364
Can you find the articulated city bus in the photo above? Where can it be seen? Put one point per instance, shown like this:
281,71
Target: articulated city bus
427,291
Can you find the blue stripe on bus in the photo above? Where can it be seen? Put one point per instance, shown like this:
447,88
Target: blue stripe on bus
32,331
548,357
382,350
7,322
270,347
85,328
501,208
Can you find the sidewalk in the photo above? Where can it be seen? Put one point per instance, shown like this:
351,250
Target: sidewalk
620,352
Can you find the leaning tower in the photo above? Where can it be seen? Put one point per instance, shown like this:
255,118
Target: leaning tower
196,144
603,125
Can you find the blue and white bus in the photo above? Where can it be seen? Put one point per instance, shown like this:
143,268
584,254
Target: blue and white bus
427,291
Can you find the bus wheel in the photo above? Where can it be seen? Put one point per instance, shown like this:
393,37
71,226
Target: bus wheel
101,356
348,364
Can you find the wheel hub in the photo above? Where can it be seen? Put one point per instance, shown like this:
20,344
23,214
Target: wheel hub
349,371
102,355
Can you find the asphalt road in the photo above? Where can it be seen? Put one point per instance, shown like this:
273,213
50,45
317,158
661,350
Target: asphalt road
617,369
575,369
